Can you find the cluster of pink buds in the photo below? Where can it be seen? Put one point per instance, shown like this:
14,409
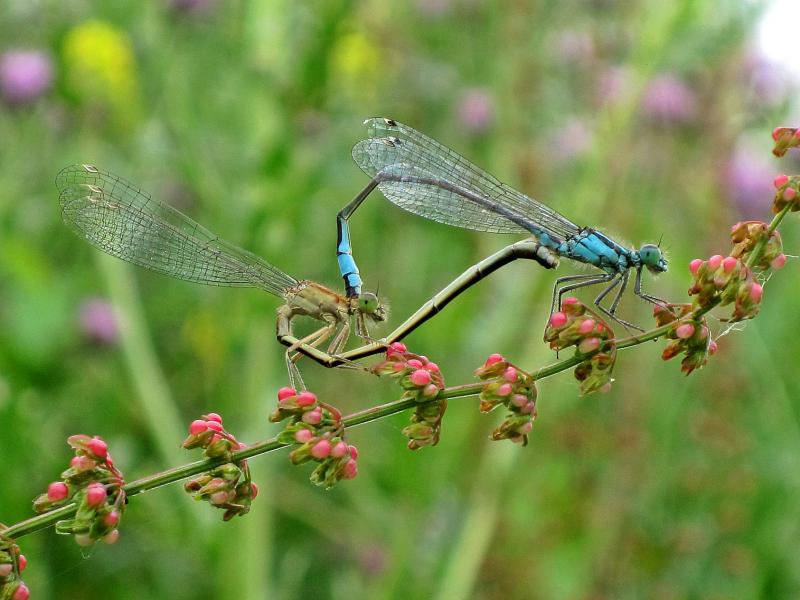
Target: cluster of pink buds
227,486
725,281
576,325
422,381
95,485
747,235
787,190
509,386
317,433
689,336
785,138
12,564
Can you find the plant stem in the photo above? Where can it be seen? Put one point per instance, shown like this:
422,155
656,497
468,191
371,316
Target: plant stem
367,415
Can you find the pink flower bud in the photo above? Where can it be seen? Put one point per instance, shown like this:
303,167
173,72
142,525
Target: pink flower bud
96,495
569,300
780,181
779,261
789,193
286,392
558,319
214,425
712,347
493,359
111,537
23,562
586,326
197,427
111,519
306,398
21,593
353,451
756,291
339,450
350,469
82,463
57,491
510,374
303,435
97,447
253,491
397,347
420,377
684,331
430,390
729,263
519,400
605,388
529,407
5,569
589,344
214,417
505,389
398,366
220,498
525,428
714,262
777,132
415,364
432,367
694,266
321,449
424,360
83,540
313,417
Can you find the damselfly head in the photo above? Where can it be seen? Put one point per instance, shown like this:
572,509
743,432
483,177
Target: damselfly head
653,258
370,305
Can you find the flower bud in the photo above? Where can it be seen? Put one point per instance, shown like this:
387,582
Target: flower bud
350,469
780,181
714,262
684,331
57,491
96,495
695,265
197,427
111,537
589,344
303,435
321,449
306,399
286,392
339,450
558,319
97,447
493,358
420,377
21,593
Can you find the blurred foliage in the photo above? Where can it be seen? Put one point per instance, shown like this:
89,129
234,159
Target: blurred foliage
242,114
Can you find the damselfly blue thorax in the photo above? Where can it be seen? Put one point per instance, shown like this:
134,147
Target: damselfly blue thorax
429,179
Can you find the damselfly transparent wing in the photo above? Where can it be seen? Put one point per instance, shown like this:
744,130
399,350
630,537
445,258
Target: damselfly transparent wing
401,150
122,220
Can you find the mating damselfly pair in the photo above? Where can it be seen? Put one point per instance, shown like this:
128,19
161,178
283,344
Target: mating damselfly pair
412,171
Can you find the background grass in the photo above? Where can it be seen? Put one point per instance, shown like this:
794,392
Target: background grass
243,114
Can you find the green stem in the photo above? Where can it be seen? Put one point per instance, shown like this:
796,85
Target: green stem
367,415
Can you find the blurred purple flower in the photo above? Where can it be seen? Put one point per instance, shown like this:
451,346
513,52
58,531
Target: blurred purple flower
613,84
574,46
670,100
770,82
98,321
476,110
24,75
572,140
748,182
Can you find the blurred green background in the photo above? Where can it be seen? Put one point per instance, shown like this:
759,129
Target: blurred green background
642,117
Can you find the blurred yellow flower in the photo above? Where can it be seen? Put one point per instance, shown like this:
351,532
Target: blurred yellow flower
101,70
355,64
